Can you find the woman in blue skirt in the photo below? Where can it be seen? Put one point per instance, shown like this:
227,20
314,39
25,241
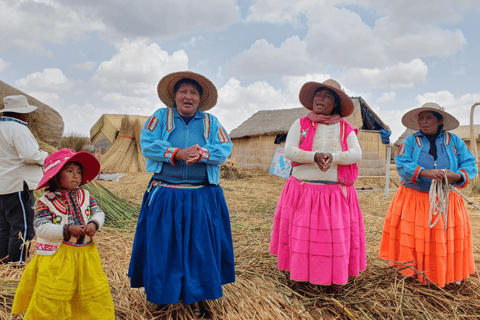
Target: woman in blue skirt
183,243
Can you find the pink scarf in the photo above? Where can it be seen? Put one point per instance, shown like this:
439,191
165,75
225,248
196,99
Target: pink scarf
323,119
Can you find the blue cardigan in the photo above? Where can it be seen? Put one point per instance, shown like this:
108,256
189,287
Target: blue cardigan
460,159
157,149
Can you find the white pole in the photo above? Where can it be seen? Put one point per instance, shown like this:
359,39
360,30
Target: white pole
387,173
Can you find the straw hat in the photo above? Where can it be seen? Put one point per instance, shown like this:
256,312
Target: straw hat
309,88
57,160
410,119
167,83
17,104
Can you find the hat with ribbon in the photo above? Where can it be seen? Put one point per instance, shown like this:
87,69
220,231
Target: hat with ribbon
308,90
57,160
166,86
410,119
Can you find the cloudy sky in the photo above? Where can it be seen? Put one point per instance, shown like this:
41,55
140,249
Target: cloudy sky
87,58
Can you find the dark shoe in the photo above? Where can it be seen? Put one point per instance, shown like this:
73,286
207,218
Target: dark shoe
200,311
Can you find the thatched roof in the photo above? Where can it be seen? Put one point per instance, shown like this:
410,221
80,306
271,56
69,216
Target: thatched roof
463,132
110,124
45,123
268,122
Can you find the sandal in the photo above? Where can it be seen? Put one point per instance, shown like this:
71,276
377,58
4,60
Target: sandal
200,311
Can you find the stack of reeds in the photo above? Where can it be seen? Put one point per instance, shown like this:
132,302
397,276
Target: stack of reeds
125,154
230,170
45,123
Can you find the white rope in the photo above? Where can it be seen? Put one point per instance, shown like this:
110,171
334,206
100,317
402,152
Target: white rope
438,197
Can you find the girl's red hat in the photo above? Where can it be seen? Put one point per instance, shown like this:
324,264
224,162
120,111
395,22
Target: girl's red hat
57,160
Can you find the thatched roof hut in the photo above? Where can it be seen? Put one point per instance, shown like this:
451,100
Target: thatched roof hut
256,139
45,123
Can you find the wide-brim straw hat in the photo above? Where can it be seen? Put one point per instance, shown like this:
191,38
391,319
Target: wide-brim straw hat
410,119
17,104
308,90
57,160
166,85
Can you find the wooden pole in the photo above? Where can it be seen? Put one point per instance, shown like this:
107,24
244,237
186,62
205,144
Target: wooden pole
387,173
473,138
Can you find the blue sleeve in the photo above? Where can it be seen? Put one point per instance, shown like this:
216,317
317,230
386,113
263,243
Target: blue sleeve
153,147
219,145
466,162
406,167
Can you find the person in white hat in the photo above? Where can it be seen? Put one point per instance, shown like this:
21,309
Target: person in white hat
21,162
434,240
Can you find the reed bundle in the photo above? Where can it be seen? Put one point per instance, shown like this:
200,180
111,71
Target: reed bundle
124,155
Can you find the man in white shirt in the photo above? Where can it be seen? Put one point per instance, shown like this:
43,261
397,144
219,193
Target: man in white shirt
21,163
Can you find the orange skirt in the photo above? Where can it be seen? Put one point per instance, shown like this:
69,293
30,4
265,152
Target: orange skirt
440,255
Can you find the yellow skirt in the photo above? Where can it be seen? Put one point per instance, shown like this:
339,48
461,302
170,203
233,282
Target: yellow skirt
69,284
440,255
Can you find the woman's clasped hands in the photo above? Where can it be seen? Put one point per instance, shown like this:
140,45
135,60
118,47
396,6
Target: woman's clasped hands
323,160
190,155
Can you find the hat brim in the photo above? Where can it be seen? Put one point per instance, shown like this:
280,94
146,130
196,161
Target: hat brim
410,119
166,85
308,89
20,110
90,164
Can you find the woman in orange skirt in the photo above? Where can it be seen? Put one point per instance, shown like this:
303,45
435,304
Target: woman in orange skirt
430,245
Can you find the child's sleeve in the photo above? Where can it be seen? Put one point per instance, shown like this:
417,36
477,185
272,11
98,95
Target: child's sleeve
43,223
97,215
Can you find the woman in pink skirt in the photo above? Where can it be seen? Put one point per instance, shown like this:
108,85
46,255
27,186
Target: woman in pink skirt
318,233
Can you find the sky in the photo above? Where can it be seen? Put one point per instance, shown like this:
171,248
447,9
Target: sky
88,58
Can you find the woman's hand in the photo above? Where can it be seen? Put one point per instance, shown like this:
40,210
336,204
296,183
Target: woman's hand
190,155
439,174
91,229
76,231
452,176
323,160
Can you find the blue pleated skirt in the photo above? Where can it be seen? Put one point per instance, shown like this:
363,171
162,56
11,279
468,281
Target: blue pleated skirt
183,245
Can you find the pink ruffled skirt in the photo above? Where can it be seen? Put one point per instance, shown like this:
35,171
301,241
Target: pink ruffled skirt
318,232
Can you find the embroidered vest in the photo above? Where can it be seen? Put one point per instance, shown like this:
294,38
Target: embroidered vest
59,216
347,174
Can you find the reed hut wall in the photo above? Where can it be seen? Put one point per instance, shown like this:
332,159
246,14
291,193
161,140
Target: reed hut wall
254,147
45,123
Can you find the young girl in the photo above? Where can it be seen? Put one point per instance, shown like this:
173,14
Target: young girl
65,279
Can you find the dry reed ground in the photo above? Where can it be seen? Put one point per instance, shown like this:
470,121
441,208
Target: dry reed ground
261,291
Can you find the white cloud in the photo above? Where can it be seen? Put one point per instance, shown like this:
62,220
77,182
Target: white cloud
337,34
387,98
295,83
264,60
150,18
49,80
3,65
26,25
459,72
137,67
193,41
401,75
236,103
278,11
86,66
